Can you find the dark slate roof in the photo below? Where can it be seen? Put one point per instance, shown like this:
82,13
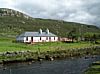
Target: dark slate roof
37,34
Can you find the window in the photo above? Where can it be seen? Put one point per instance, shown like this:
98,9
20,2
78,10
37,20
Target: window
32,39
40,38
50,38
54,38
46,38
26,38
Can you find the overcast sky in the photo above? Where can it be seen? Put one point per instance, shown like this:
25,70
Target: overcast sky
83,11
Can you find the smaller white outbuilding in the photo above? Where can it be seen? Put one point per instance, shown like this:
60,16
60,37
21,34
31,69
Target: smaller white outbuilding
31,37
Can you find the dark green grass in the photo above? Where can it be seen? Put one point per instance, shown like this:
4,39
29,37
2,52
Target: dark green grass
94,69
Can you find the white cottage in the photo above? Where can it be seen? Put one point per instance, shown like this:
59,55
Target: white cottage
40,36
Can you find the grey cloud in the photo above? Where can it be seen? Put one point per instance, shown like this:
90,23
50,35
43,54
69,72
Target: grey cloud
85,11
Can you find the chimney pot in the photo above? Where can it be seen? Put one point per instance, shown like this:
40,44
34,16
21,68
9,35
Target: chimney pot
47,31
40,31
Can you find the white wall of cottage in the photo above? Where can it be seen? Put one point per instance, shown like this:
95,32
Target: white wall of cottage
41,39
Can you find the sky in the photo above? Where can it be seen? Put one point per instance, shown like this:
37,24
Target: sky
81,11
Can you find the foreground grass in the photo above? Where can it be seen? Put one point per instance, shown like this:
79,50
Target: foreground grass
42,47
94,69
10,51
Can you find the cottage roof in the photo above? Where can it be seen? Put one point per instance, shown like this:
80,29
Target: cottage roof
37,34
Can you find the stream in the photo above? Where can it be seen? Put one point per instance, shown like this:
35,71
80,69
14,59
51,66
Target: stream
65,66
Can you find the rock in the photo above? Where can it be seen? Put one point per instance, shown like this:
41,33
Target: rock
47,57
40,59
86,57
51,58
4,68
29,63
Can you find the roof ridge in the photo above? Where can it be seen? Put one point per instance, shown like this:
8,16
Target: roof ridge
37,34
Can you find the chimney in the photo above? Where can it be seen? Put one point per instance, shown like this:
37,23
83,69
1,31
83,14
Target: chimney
47,31
40,31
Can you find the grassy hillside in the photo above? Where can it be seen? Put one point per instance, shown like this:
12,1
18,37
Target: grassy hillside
13,23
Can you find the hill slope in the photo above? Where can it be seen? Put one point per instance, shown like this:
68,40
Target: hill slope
13,22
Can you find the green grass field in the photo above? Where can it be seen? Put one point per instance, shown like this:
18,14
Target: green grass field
8,45
55,49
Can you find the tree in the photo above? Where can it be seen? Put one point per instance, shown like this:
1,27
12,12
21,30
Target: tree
92,37
72,34
1,11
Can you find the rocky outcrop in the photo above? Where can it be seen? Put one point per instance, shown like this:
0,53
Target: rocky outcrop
10,12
